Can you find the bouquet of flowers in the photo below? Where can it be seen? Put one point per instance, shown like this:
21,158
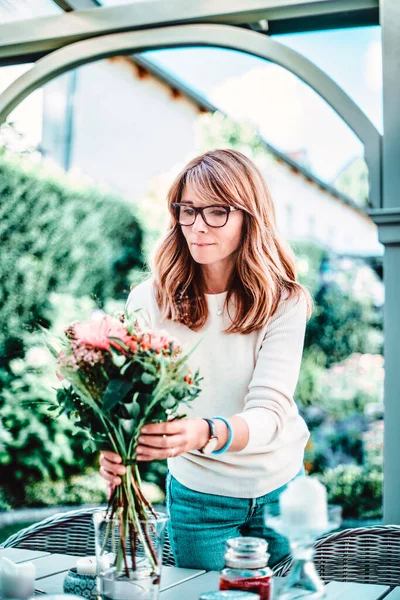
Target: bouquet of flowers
117,377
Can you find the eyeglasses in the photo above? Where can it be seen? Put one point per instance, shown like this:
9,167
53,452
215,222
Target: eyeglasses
213,216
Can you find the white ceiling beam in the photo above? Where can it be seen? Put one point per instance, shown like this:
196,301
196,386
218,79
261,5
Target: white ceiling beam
36,37
69,5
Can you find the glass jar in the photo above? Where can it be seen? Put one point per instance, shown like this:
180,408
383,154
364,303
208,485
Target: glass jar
246,567
229,595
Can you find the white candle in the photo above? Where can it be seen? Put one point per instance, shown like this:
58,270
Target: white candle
103,562
16,581
86,565
304,503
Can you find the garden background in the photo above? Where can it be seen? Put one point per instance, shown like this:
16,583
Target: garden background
69,248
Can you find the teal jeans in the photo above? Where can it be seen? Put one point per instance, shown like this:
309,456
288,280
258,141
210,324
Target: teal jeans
200,524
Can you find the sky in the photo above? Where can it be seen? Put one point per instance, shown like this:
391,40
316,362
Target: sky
287,112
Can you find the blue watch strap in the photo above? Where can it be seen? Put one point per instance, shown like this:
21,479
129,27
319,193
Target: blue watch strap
230,438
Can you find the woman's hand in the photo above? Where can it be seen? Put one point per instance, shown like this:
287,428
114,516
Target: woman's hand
159,441
110,469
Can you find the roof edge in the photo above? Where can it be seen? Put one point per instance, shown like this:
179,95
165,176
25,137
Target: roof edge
208,106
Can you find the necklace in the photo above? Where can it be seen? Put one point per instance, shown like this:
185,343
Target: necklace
219,309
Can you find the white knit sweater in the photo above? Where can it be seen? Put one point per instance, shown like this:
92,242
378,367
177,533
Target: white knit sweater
253,376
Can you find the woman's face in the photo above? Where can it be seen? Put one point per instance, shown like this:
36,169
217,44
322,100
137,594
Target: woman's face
211,245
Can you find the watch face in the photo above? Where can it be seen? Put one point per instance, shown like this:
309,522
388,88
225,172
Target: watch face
210,446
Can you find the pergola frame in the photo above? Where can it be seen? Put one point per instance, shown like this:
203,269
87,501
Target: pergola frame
91,49
20,44
69,40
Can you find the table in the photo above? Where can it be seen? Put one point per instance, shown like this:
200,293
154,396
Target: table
176,583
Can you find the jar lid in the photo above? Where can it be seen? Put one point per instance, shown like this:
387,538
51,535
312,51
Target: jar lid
248,552
229,595
60,597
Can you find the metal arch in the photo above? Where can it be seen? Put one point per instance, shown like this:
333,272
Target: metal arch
46,34
223,36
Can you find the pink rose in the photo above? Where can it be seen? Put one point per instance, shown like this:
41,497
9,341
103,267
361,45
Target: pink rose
97,333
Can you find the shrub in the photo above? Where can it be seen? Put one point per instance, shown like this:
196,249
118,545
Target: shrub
89,488
4,504
357,489
353,386
308,390
339,325
34,446
54,238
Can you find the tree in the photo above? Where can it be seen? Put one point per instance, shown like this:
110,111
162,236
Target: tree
339,325
54,238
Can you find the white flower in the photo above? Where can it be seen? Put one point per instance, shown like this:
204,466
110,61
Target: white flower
17,366
97,314
37,357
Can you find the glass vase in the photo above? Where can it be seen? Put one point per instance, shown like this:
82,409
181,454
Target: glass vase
302,581
129,556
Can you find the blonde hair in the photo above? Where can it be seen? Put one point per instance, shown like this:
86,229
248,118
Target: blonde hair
265,267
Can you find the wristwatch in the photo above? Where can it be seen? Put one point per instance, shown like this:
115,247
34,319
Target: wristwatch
212,443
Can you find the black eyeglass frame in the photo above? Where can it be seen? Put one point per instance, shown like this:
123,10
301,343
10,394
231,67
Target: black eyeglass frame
200,209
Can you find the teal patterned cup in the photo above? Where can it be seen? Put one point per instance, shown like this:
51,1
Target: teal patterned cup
81,585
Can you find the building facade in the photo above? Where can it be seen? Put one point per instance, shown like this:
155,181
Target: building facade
124,122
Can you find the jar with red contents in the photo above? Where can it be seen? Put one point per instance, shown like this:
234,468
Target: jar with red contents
246,567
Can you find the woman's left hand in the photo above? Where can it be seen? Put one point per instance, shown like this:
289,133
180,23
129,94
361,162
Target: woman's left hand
159,441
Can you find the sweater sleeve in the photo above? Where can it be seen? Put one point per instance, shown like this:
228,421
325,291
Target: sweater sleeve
139,299
269,401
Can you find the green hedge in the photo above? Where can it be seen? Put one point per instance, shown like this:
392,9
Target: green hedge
55,240
89,488
357,489
55,237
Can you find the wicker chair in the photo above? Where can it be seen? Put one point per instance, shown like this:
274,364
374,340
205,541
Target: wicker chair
71,532
361,555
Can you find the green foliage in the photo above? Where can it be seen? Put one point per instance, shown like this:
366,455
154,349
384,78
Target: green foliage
4,503
7,530
353,181
154,472
220,131
86,488
340,407
373,445
86,244
128,379
308,390
89,488
54,237
309,257
339,325
357,489
110,398
32,445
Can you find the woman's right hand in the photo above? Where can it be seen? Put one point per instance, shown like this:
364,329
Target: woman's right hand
110,469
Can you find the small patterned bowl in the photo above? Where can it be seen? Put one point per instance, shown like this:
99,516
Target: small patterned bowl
82,585
60,597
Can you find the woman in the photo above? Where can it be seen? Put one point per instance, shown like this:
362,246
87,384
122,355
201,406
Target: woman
223,275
